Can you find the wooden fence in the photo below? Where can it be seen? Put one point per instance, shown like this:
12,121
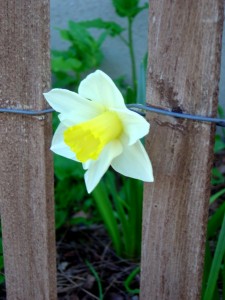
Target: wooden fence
26,185
183,75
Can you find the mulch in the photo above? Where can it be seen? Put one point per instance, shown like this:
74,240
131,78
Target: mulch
82,246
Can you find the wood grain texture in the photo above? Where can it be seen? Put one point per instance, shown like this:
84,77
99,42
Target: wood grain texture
26,185
183,75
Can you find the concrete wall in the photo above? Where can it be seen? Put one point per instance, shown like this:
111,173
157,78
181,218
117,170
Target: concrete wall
116,61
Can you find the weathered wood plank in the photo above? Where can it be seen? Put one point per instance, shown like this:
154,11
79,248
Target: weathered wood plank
183,74
26,186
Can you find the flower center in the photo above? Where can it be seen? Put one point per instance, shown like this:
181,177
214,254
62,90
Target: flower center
88,139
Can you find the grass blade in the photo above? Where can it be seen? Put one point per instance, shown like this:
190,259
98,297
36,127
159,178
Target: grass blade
216,196
216,264
93,271
134,197
207,267
215,221
105,208
129,280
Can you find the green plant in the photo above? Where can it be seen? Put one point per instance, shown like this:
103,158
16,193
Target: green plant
129,10
84,52
214,271
214,263
121,212
120,206
95,274
129,279
217,176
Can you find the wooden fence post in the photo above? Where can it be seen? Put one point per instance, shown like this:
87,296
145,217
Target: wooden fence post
183,74
26,185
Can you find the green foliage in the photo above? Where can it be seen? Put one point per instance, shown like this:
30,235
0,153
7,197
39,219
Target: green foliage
97,278
214,265
214,270
72,204
128,8
217,176
119,201
129,279
84,52
219,143
110,28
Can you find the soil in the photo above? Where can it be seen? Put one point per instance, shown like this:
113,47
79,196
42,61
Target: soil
82,247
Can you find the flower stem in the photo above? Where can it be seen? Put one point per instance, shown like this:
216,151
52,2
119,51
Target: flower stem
132,56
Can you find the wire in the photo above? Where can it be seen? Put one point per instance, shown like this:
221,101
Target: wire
26,112
219,122
133,107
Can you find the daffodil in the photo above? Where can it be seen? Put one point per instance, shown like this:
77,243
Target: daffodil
98,130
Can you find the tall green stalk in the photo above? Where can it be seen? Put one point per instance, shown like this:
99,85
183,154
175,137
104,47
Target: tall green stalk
132,56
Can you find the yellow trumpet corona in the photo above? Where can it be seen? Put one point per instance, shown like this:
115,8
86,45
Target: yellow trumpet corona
88,139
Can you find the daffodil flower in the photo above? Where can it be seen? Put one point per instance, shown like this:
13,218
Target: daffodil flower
98,130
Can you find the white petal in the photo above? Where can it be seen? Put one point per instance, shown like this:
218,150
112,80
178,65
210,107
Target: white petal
71,103
100,88
135,126
58,145
73,118
98,168
134,162
87,164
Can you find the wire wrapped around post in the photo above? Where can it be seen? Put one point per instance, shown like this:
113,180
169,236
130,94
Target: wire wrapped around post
138,108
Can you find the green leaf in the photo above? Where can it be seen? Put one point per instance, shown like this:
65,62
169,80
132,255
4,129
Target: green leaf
104,206
112,28
207,267
97,278
65,35
65,168
217,177
60,218
128,8
221,112
120,210
129,280
216,264
216,196
2,278
81,36
63,65
130,96
219,144
68,191
134,196
1,262
215,221
102,38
